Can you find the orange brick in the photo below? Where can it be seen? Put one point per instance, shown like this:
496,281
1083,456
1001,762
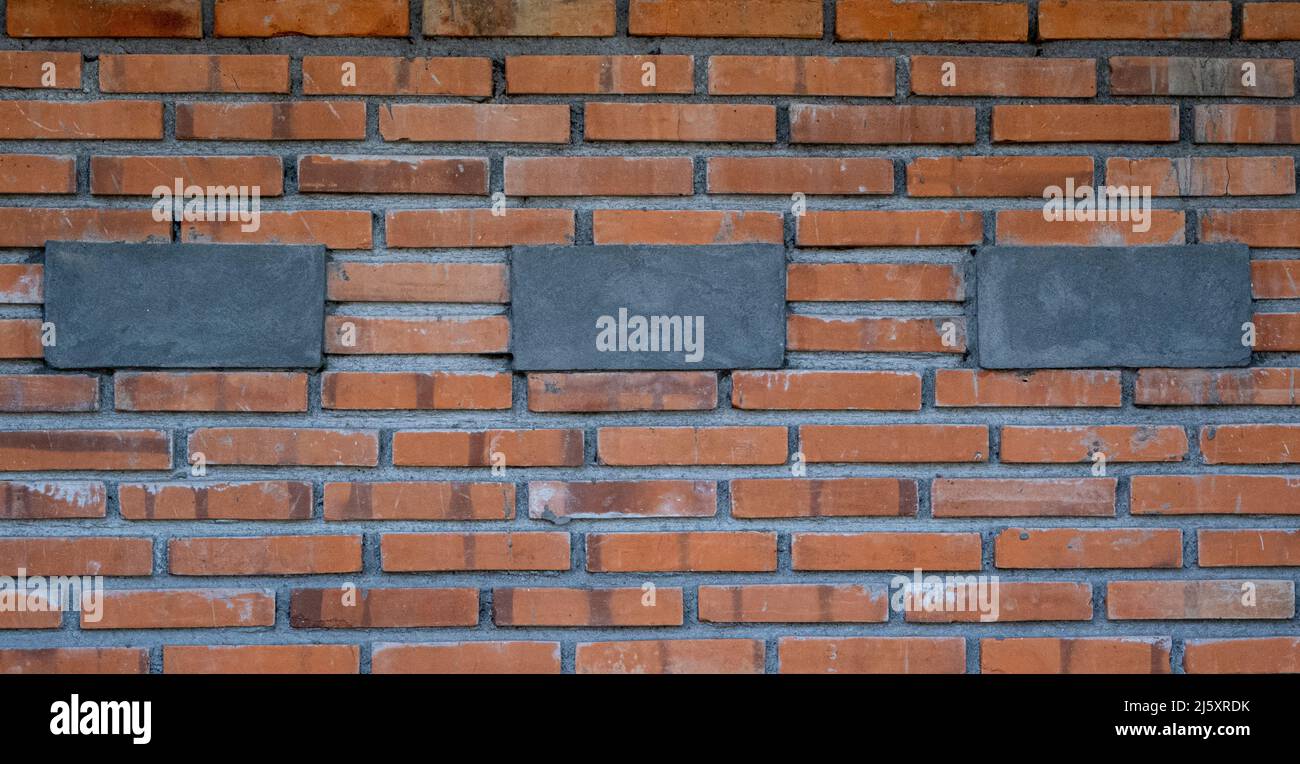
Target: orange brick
770,498
272,121
826,390
268,500
284,446
874,282
881,124
236,391
1129,20
847,176
1119,443
34,226
264,556
967,387
419,500
37,174
184,609
1237,123
801,75
79,556
419,552
467,658
1205,176
681,552
695,122
938,21
1028,228
20,337
633,446
29,69
75,660
1101,123
61,500
559,501
1235,549
995,176
415,390
886,551
1002,497
29,393
261,659
1200,600
518,18
890,228
416,336
1251,444
623,391
1277,331
1009,77
385,175
1270,279
120,18
1088,548
599,75
917,443
1215,495
1086,655
671,656
478,228
1000,602
703,18
388,75
485,448
22,284
318,18
1256,228
36,450
872,655
1270,21
586,607
794,603
1185,76
336,229
686,227
140,175
1269,655
480,122
417,282
140,73
1216,387
382,608
599,176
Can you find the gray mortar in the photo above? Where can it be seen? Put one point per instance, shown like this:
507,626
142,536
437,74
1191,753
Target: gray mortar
182,424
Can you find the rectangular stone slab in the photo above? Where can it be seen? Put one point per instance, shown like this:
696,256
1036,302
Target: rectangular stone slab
560,294
1075,307
184,306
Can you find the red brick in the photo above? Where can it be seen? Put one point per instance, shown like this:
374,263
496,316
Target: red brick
264,556
1257,228
285,446
318,18
1269,655
1128,20
1185,76
267,500
480,123
1016,602
1096,123
633,446
416,336
1028,228
1086,655
872,655
1205,176
20,337
995,176
271,121
37,450
890,228
1251,444
874,282
623,391
184,609
1237,123
261,659
1277,331
1270,21
560,501
415,390
886,551
770,498
421,552
1215,495
27,69
681,552
62,500
696,122
898,443
686,227
599,176
75,660
1270,279
1088,548
801,75
33,226
794,603
484,448
938,21
671,656
233,391
847,176
94,18
518,18
843,123
28,393
968,387
1004,76
21,284
349,608
78,556
826,390
140,73
419,500
389,75
336,229
140,175
478,228
1200,600
417,282
704,18
1002,497
599,75
45,616
1069,444
392,175
586,607
467,658
1216,387
37,174
1255,548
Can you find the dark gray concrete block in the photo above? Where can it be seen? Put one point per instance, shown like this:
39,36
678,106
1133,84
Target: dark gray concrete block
1073,307
184,306
568,302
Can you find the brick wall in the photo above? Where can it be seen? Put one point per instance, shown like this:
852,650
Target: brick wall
768,510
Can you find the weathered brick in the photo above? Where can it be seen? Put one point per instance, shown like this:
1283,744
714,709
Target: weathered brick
801,75
264,556
1006,497
271,121
1216,387
1215,495
478,228
770,498
995,176
419,500
1001,602
141,175
847,176
694,122
75,660
415,336
1255,548
917,443
890,228
81,120
872,655
22,284
382,608
35,450
1200,600
1130,20
633,446
1277,331
1093,123
1269,655
389,75
529,606
317,18
1004,76
29,69
141,73
1256,228
671,656
1270,21
30,393
560,501
686,227
1080,443
184,609
417,282
681,552
599,176
599,75
77,556
1251,444
1075,655
1028,228
1181,76
392,175
875,282
1054,388
267,500
937,21
886,551
851,124
1205,176
518,18
1269,279
486,448
94,18
415,390
794,603
703,18
417,552
336,229
261,659
467,658
1088,548
37,174
480,122
1238,123
826,390
62,500
234,391
285,446
623,391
